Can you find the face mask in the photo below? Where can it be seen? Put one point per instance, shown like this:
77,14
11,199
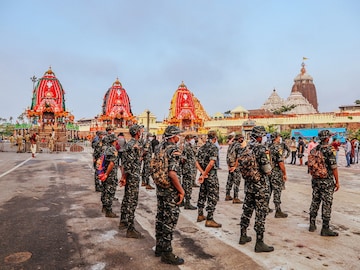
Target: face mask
151,138
192,141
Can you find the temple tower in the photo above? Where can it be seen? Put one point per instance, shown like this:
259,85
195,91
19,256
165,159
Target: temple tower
303,83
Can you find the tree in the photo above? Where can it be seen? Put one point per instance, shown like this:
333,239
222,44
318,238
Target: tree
357,101
283,109
227,113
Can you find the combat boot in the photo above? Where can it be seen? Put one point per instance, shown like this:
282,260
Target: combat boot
280,214
134,234
188,206
260,246
158,251
312,227
228,198
111,214
326,231
237,201
243,237
103,210
212,223
123,225
201,218
171,258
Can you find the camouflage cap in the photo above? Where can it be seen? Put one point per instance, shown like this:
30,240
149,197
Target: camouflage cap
274,135
109,127
110,138
134,129
212,134
238,136
171,131
323,134
258,131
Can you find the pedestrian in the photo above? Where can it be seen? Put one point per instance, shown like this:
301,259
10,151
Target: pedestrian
278,173
98,149
293,149
131,173
301,150
209,183
347,148
234,174
51,142
111,179
19,141
33,140
257,193
336,147
188,171
356,150
323,189
169,199
146,157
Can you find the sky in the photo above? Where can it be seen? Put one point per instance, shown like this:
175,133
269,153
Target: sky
228,52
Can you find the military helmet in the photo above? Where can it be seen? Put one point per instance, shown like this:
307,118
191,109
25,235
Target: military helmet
211,134
134,129
258,131
274,135
323,134
172,131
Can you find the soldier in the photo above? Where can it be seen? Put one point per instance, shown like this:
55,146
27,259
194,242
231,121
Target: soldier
169,199
209,183
97,145
323,189
257,193
131,169
234,176
278,173
188,171
147,153
111,178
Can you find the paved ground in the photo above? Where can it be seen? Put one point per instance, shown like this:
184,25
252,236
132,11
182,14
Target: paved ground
51,219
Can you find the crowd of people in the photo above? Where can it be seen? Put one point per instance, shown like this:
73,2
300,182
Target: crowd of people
187,157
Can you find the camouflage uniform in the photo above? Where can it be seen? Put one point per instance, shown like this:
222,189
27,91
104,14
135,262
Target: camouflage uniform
209,189
131,161
323,189
276,176
257,193
188,170
167,210
98,150
234,178
110,184
147,152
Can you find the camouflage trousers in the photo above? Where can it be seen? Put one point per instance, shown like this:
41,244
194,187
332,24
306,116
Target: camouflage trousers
209,191
98,185
323,191
276,185
108,192
233,180
258,200
145,173
130,200
166,219
187,184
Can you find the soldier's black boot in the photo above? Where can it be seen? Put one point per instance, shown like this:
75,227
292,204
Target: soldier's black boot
243,237
170,258
312,227
188,205
260,246
326,231
279,213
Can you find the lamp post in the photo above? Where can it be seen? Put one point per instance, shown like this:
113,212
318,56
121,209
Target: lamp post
34,79
148,121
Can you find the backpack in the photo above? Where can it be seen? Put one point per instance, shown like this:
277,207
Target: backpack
100,167
248,165
316,164
159,167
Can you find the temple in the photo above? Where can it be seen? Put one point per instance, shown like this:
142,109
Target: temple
186,111
116,108
47,112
